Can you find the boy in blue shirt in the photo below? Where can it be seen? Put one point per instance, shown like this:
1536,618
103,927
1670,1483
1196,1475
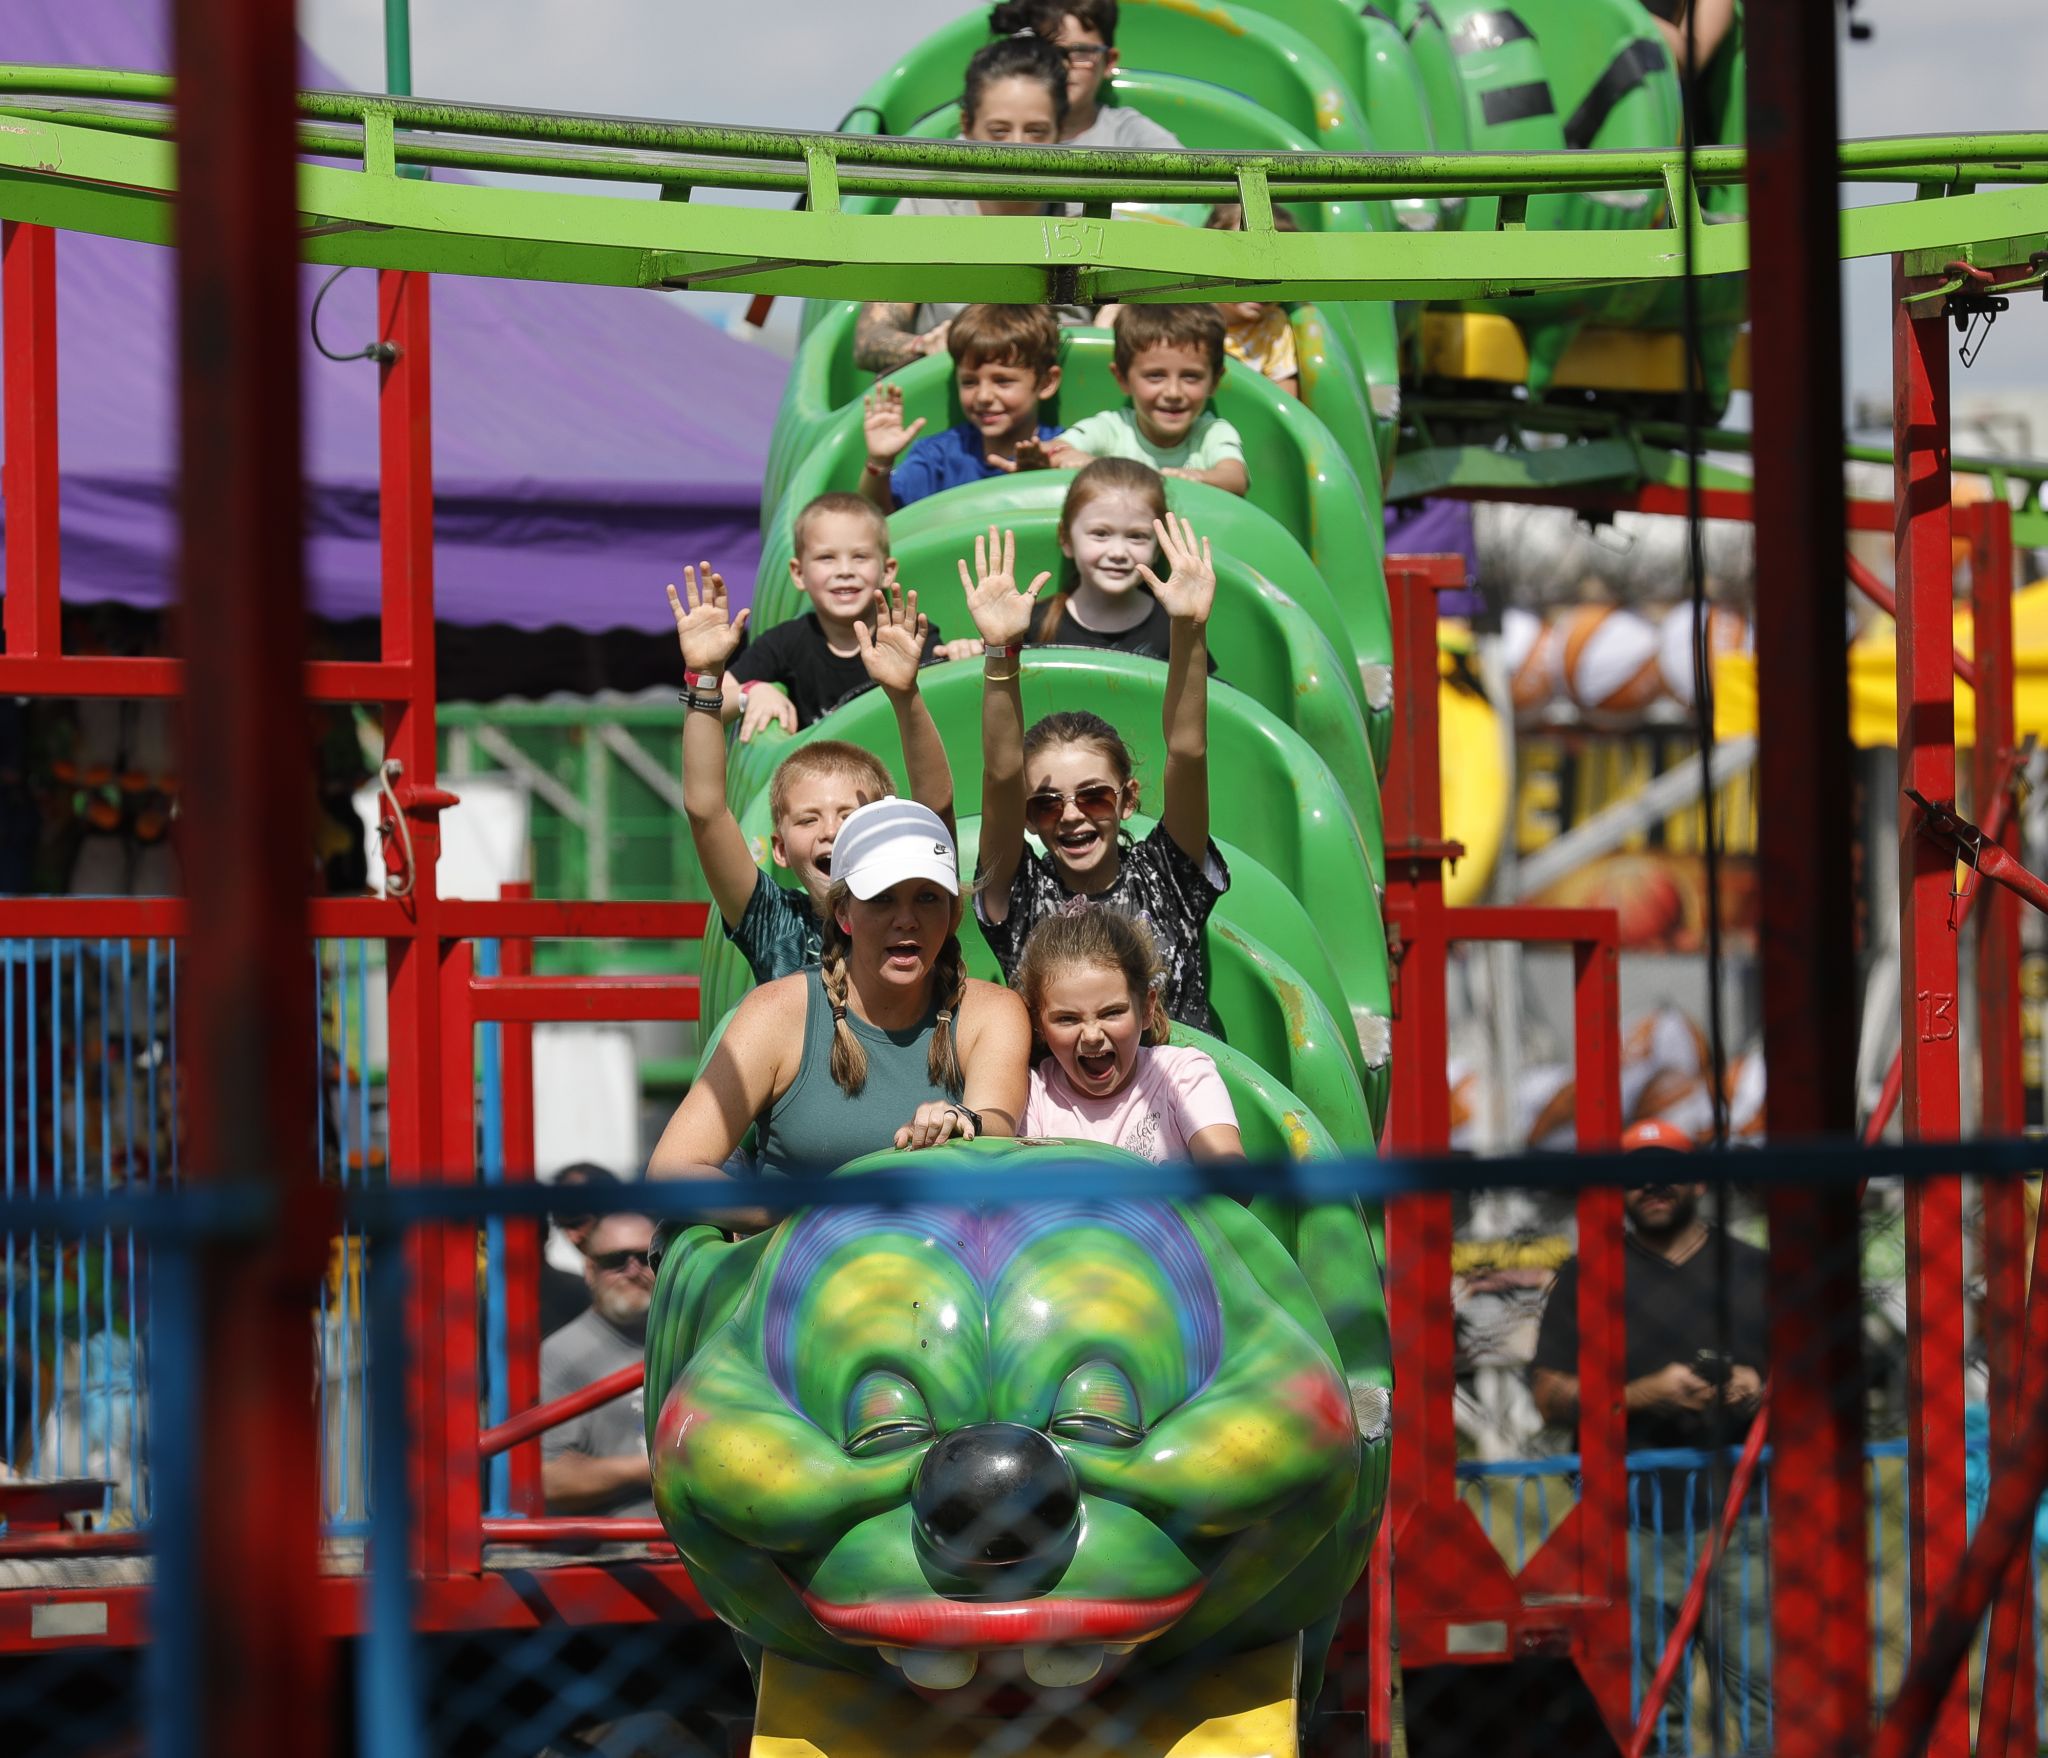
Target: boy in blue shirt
1005,364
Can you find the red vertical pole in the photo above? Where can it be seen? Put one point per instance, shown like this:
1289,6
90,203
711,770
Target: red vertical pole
522,1238
1928,971
28,473
260,1656
1418,1225
1604,1659
2009,1663
1820,1611
424,1034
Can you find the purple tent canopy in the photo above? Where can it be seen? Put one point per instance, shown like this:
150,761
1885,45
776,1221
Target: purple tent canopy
588,441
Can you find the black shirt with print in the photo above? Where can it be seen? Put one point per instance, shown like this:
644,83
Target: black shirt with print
1157,885
1149,638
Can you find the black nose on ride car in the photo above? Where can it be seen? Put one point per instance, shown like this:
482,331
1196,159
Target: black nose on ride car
995,1495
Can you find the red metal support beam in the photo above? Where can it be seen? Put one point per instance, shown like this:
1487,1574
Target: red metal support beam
1820,1612
523,1241
1887,601
531,1424
1931,1103
539,1000
146,678
28,471
258,1658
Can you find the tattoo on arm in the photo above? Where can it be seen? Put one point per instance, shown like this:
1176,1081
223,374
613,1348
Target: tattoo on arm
882,337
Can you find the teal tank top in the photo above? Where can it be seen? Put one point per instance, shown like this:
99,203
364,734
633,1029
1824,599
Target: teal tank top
815,1124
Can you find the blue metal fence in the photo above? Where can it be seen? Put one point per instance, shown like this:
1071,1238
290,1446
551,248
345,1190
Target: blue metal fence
1521,1501
89,1105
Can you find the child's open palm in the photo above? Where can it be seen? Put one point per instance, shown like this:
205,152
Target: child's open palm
1000,611
882,422
709,637
1190,588
894,648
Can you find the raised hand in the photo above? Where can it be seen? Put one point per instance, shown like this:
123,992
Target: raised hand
894,648
766,706
708,636
1190,587
882,421
1000,611
1062,456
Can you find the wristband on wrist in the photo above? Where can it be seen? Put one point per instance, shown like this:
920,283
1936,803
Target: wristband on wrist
1001,649
704,680
703,701
875,469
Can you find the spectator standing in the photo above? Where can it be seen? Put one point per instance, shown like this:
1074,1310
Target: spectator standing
596,1463
565,1293
1687,1387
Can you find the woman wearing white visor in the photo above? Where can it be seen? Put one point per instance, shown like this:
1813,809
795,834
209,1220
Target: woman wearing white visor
888,1041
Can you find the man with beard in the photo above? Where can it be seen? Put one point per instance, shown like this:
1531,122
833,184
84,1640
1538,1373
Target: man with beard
597,1462
1690,1386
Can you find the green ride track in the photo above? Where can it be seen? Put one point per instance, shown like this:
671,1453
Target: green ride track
1552,237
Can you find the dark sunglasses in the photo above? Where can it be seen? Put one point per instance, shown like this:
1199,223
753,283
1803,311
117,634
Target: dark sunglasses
615,1261
1097,800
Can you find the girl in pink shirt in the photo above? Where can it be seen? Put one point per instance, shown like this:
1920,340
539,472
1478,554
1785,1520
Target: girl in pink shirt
1090,978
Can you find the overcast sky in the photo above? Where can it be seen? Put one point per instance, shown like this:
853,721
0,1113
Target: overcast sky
1946,67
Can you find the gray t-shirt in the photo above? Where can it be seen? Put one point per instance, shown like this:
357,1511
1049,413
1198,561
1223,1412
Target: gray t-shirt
1117,125
585,1349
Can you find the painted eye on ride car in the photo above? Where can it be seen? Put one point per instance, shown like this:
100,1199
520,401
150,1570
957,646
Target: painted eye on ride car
1097,1404
884,1414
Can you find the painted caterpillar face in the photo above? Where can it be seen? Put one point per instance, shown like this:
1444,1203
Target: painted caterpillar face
1000,1443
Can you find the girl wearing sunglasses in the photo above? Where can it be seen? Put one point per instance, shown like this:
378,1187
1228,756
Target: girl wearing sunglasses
1068,781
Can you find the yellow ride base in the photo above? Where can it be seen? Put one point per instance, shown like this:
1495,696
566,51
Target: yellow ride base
1481,345
1244,1707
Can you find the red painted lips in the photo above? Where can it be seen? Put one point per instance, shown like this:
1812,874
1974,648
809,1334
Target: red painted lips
963,1623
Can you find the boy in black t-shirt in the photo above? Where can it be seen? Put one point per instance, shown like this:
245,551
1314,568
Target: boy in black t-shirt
804,668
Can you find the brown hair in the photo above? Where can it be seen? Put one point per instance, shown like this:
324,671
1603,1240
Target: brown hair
1105,939
837,501
849,1063
833,757
1076,726
1101,477
1228,216
1006,335
1139,327
1045,17
1021,57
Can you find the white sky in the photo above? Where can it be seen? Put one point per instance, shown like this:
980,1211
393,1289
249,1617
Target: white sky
1947,67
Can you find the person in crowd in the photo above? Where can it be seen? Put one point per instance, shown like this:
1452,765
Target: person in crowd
815,789
1091,980
1006,364
596,1463
1015,95
1258,331
1068,781
565,1293
1690,1385
886,1042
1168,361
1108,531
1084,31
804,668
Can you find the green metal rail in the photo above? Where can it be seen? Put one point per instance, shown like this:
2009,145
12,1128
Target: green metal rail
92,150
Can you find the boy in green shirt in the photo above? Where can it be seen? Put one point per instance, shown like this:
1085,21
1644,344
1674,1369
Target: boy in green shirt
1168,361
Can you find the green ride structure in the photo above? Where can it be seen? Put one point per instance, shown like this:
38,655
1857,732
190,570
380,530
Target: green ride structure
1446,165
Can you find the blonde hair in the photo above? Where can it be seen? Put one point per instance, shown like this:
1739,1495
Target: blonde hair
838,501
821,758
1102,939
849,1064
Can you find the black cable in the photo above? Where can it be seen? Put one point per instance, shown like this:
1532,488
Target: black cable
381,352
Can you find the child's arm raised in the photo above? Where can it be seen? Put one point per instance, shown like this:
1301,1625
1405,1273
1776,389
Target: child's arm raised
888,439
709,638
1002,615
892,651
1188,592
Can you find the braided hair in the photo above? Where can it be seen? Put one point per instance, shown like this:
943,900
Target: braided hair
849,1064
